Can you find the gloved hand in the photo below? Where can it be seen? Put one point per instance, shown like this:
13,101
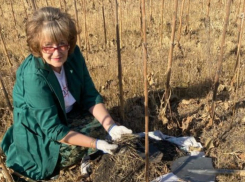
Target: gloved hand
116,131
105,147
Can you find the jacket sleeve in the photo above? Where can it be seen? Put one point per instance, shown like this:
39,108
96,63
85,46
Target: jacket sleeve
89,96
42,108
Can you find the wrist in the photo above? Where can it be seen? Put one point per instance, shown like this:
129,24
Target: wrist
107,124
110,127
93,143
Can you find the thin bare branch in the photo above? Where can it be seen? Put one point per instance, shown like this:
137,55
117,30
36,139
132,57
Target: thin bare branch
4,47
167,84
33,5
220,61
13,12
145,92
76,15
180,22
104,23
119,62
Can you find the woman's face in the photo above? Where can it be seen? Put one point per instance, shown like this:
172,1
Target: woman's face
55,54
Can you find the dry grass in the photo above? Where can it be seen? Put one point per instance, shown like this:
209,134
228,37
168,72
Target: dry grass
128,163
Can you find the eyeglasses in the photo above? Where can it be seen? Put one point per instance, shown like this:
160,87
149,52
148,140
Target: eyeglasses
50,49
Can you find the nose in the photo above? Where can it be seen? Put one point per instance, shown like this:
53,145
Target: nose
56,50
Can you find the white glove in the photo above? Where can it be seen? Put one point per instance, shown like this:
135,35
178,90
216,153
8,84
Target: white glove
105,147
116,132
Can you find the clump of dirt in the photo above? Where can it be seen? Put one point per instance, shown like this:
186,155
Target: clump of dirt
128,163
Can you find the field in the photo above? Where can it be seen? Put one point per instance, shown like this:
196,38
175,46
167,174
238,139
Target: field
194,66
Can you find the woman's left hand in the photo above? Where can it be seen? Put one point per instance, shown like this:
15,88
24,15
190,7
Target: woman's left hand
116,132
106,147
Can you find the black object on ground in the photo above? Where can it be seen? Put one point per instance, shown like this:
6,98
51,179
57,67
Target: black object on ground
199,169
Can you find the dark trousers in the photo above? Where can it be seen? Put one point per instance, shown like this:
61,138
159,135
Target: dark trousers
87,125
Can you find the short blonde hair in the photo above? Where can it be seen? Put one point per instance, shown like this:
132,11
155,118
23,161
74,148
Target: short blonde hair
52,23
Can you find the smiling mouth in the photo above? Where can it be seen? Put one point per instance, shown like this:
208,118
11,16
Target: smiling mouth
57,59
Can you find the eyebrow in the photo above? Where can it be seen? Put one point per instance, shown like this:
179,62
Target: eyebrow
47,44
50,43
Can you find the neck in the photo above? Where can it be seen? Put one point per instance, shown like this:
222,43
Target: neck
57,70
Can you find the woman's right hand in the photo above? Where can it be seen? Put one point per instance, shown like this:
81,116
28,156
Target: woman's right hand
116,132
105,146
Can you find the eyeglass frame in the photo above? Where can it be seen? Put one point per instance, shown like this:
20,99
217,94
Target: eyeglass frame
66,46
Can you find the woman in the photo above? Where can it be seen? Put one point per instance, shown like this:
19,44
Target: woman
53,100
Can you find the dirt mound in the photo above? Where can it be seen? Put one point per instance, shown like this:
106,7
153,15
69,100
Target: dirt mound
128,164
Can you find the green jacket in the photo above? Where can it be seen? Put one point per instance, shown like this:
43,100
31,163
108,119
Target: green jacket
31,143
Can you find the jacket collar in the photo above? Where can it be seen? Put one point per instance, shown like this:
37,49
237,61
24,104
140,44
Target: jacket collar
52,81
41,64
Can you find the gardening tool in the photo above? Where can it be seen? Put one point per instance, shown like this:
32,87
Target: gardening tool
199,169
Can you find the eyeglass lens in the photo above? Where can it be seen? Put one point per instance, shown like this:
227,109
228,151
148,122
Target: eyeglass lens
52,49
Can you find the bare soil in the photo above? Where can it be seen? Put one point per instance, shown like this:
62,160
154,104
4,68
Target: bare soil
193,70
